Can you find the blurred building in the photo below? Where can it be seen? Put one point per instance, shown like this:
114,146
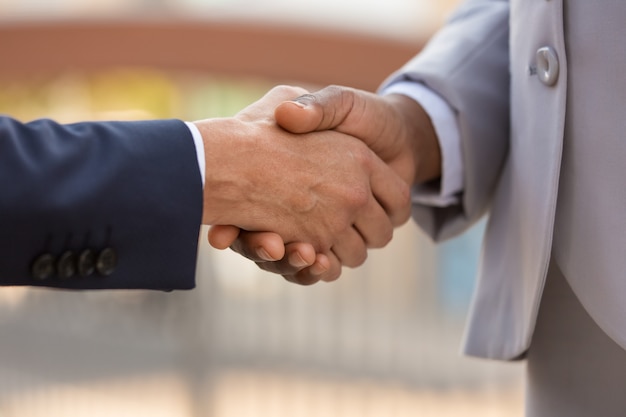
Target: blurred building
381,341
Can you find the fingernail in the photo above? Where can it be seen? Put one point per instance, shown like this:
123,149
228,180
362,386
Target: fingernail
298,103
297,261
262,253
303,101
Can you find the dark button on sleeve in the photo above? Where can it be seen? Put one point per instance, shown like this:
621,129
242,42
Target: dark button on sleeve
43,267
66,265
107,261
86,263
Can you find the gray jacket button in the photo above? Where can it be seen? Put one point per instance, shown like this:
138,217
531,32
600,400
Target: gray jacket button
547,65
107,261
43,267
66,265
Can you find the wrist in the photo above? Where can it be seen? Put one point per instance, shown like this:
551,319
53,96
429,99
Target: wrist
421,138
221,190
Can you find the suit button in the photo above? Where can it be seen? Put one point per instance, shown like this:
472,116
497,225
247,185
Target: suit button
107,261
547,65
66,265
43,267
86,263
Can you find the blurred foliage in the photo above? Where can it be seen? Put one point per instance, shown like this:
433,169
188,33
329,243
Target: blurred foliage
127,94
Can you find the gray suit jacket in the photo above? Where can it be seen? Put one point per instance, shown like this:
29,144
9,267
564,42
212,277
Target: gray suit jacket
539,92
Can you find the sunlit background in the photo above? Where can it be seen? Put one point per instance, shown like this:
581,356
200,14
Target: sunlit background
381,341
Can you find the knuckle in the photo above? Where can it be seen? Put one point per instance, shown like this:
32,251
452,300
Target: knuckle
333,90
331,275
337,102
281,89
364,156
345,94
359,259
356,262
337,230
358,196
354,258
383,239
288,90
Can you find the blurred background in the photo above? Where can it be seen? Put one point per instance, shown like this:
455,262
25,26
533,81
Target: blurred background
381,341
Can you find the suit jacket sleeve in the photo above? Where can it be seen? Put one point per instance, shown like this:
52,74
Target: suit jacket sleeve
105,205
467,63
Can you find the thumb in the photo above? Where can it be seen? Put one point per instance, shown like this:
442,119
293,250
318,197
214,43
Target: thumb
297,116
357,113
330,108
221,237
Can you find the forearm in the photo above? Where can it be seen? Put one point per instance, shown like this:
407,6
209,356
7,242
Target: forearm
130,186
467,64
446,190
422,138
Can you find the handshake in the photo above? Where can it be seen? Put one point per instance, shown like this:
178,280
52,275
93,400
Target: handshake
305,183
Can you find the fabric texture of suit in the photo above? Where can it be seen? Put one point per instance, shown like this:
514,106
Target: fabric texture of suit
546,160
132,187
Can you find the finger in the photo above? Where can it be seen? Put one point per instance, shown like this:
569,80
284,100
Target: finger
350,247
265,105
299,117
382,123
327,268
221,237
325,109
259,246
297,257
323,267
333,268
390,191
373,225
354,112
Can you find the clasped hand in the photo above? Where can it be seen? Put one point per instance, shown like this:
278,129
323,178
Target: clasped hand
308,182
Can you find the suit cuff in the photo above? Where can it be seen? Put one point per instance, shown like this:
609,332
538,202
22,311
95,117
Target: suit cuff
199,143
446,191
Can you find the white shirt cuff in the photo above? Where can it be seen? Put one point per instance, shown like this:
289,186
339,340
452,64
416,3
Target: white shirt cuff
199,143
442,115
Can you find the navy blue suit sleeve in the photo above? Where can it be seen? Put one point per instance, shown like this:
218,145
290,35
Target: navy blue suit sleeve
99,205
